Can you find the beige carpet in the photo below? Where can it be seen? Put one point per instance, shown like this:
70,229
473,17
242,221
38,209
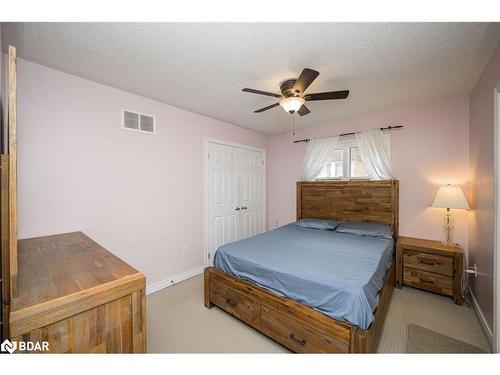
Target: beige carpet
178,322
423,340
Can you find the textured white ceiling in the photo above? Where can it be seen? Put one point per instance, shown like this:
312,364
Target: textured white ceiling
203,67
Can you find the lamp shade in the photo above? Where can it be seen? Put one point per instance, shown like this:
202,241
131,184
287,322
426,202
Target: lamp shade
292,104
450,197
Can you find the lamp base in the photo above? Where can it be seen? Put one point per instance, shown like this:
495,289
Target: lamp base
448,224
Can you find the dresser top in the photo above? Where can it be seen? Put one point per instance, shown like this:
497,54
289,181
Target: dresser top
56,266
429,245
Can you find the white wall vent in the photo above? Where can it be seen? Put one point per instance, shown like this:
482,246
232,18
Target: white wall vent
138,121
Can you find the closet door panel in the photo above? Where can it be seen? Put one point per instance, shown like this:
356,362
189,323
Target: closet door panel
252,204
235,195
223,219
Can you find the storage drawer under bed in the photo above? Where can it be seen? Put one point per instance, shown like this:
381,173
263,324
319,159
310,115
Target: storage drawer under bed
296,335
235,303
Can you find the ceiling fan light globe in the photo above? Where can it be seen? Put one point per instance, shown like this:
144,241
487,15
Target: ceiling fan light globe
292,104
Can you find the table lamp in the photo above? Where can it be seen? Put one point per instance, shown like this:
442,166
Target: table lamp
450,197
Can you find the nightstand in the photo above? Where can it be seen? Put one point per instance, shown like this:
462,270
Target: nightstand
429,265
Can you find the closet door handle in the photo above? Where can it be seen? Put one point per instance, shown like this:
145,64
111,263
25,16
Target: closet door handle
244,208
237,209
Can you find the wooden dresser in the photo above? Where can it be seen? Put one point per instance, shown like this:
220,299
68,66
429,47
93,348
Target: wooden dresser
429,265
78,297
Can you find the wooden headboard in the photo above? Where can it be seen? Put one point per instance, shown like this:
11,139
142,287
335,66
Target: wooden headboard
353,200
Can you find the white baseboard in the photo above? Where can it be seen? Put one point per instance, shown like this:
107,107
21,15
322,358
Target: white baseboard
174,280
482,321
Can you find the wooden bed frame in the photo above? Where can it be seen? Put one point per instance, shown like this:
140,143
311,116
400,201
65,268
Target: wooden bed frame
292,324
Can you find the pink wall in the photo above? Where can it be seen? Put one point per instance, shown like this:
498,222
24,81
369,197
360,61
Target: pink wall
431,150
139,195
482,186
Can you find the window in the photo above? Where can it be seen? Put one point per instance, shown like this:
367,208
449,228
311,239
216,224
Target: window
334,168
356,164
345,162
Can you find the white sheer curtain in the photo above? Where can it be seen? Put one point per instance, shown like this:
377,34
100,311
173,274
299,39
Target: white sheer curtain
318,152
375,149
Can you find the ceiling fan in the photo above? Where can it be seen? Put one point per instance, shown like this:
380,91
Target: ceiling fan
292,96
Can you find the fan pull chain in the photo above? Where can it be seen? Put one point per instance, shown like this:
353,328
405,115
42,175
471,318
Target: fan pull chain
293,121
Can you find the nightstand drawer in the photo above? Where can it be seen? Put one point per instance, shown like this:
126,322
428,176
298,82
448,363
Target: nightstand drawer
428,262
430,281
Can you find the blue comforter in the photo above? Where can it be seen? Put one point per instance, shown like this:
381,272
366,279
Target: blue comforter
338,274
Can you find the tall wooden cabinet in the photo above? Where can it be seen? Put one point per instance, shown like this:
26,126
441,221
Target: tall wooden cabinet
65,292
8,198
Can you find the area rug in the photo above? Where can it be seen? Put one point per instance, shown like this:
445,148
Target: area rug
423,340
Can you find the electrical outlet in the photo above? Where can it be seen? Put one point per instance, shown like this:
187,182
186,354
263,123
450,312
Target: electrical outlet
472,269
475,270
185,249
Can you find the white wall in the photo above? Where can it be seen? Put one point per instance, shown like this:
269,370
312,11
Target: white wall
139,195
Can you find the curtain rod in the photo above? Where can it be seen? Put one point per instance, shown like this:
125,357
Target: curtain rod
352,133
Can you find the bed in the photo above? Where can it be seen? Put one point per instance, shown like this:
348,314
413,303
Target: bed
281,285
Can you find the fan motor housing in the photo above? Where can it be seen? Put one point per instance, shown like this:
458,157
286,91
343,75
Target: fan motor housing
286,87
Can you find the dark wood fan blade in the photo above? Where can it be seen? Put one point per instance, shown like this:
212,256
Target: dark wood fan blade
260,92
304,81
266,108
327,95
303,110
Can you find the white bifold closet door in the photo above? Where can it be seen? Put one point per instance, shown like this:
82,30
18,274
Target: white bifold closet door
235,195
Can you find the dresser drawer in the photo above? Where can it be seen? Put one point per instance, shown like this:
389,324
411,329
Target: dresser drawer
235,303
428,262
430,281
297,336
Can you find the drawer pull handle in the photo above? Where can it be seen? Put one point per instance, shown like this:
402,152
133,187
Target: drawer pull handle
296,339
231,303
427,262
426,281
